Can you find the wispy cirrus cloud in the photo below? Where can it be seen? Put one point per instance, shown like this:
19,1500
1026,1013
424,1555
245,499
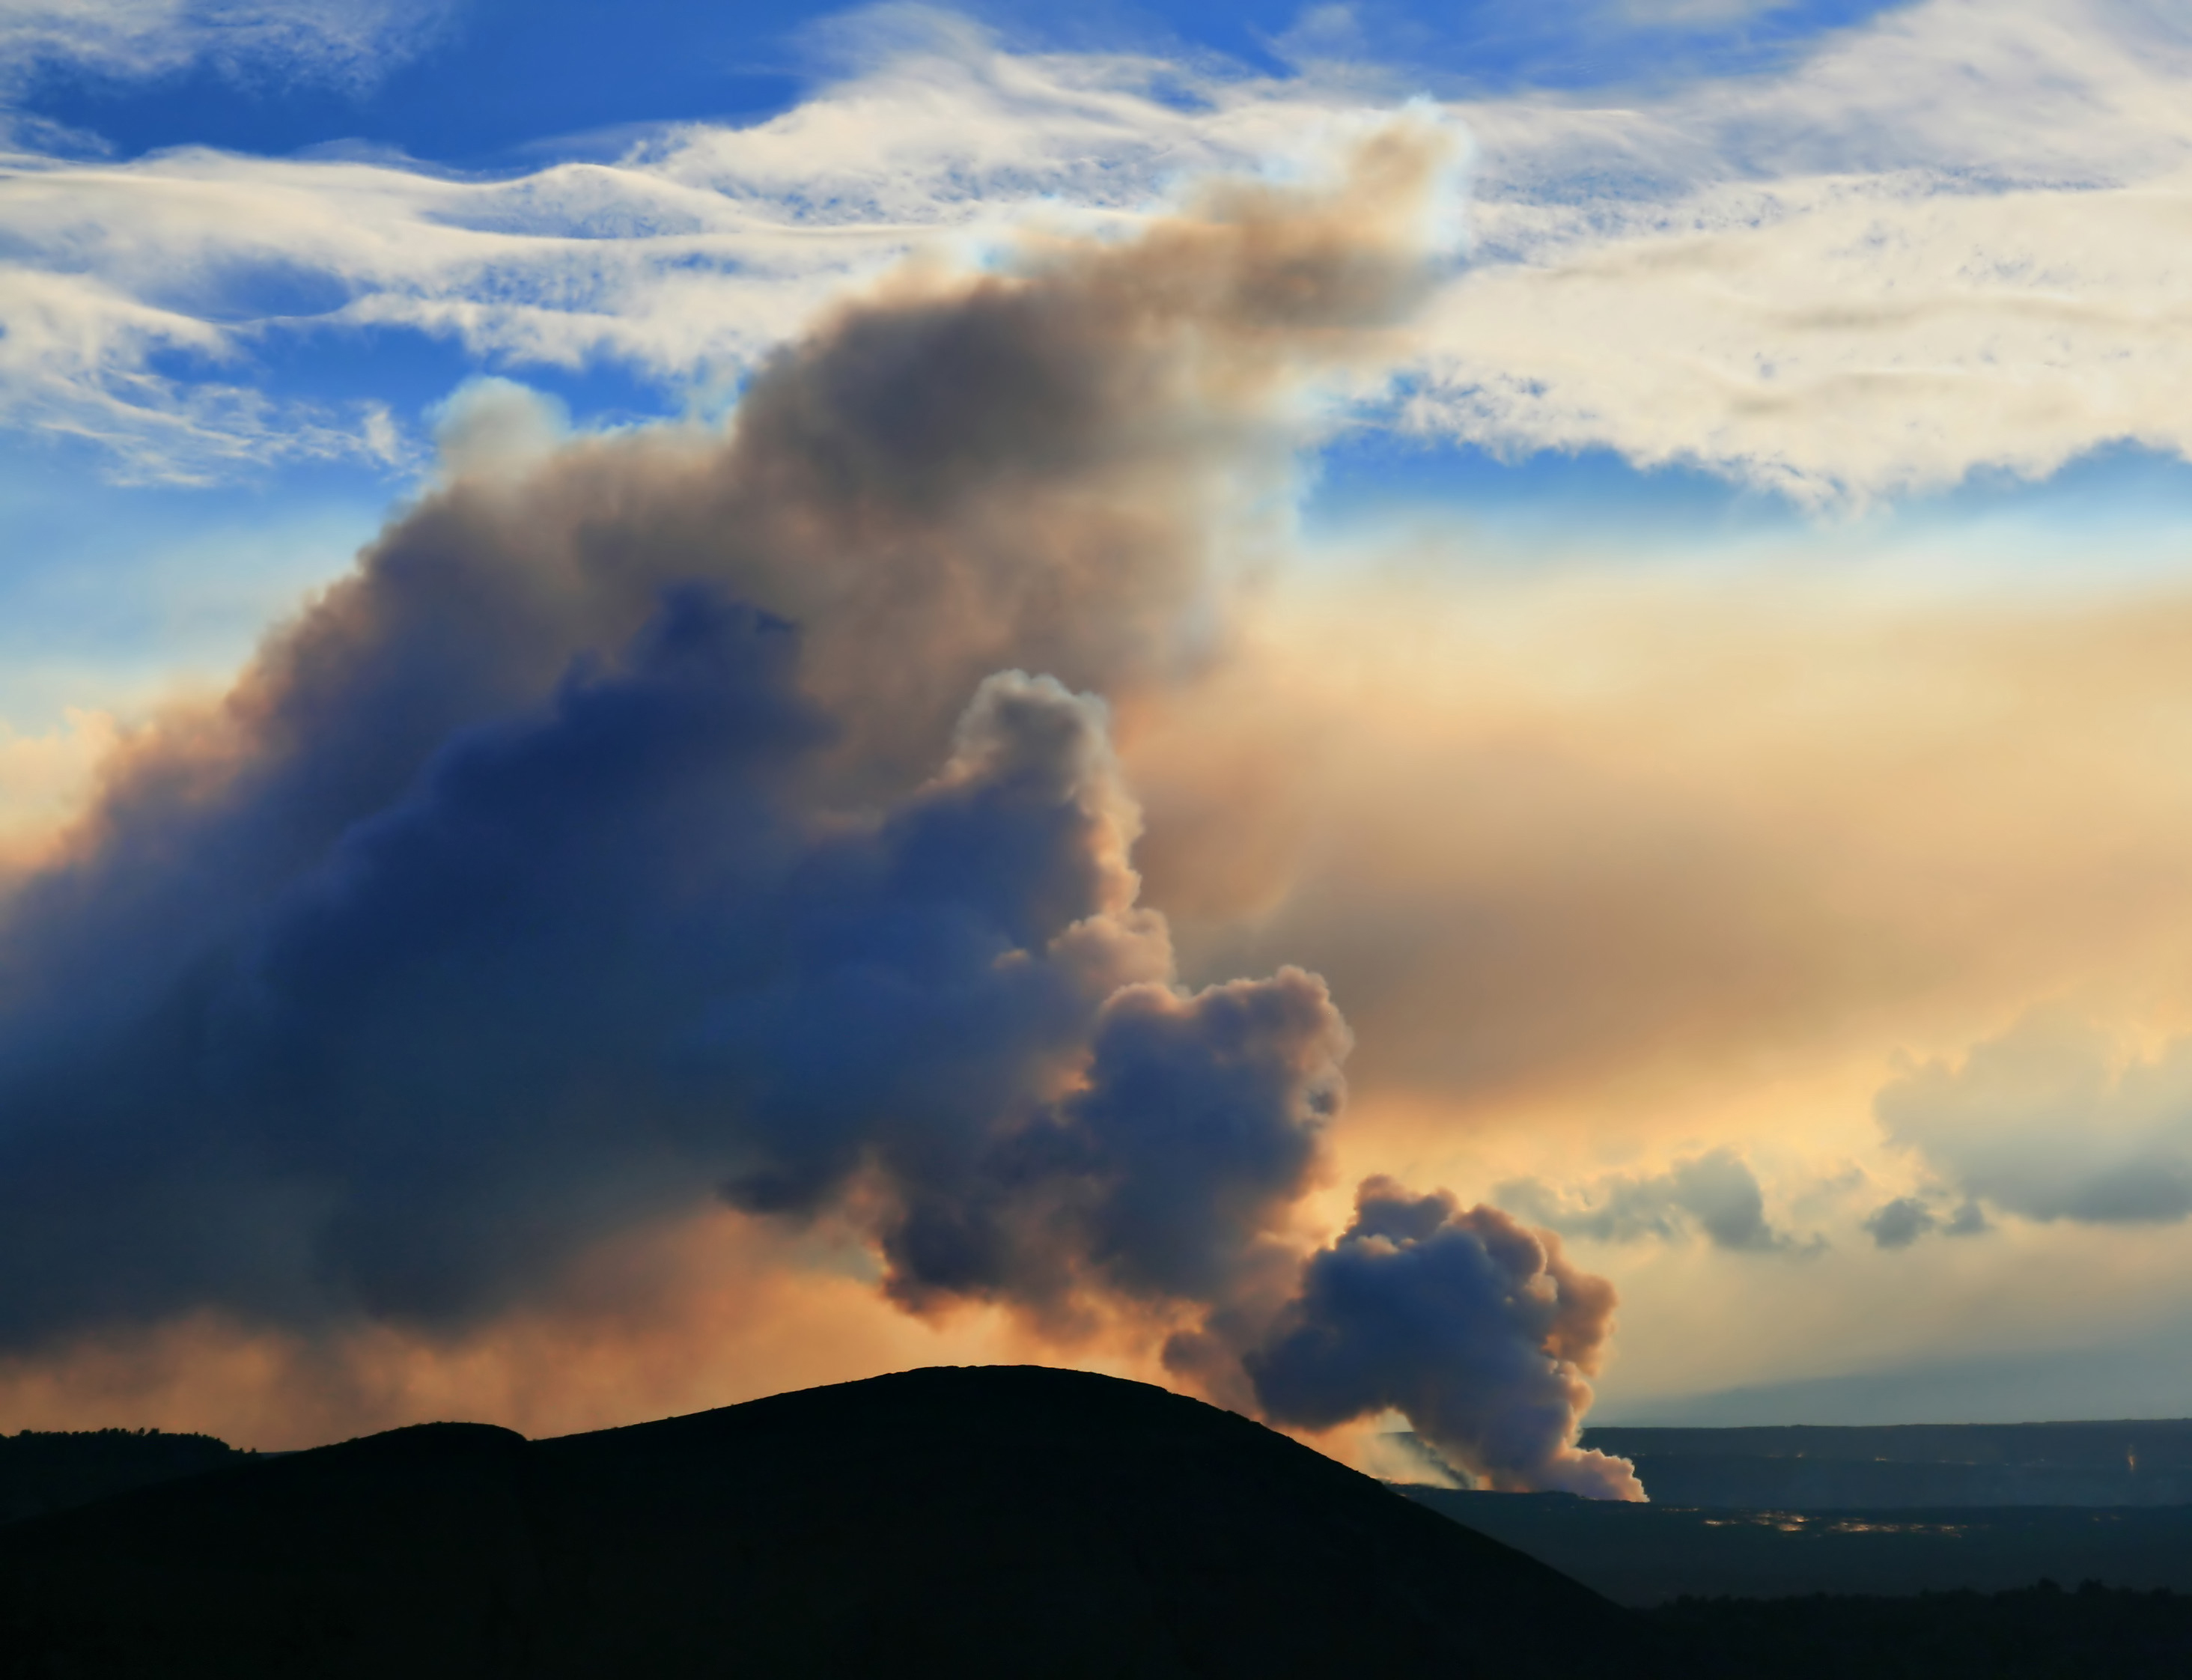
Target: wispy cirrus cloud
136,295
1950,240
1944,241
344,41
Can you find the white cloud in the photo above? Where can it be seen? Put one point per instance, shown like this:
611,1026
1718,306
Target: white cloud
684,258
1956,238
77,357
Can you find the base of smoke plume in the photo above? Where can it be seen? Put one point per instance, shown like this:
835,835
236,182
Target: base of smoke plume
1475,1329
712,1311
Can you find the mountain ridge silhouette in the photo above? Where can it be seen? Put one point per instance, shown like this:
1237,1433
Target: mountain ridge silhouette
970,1520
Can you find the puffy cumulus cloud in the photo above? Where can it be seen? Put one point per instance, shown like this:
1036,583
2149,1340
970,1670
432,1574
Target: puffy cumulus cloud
2053,1121
1901,1222
1476,1328
672,818
490,427
1933,245
1716,1193
341,40
137,296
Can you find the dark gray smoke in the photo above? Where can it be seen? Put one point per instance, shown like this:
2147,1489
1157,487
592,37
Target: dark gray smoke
1476,1328
678,822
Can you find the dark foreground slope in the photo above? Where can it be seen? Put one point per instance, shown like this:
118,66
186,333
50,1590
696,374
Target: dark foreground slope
2038,1632
988,1521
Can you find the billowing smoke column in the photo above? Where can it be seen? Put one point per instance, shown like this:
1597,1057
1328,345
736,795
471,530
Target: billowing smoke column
1472,1326
676,820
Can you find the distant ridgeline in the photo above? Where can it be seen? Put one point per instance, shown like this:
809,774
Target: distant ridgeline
42,1472
1778,1513
1012,1522
1818,1467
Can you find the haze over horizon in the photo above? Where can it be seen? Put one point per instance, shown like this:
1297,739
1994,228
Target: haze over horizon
958,613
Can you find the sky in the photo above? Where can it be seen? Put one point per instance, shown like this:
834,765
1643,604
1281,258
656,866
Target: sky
1664,610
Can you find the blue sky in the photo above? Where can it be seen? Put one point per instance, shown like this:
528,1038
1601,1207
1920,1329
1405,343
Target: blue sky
281,379
1791,458
490,82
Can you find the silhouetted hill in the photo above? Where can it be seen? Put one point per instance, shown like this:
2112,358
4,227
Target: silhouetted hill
1016,1520
42,1470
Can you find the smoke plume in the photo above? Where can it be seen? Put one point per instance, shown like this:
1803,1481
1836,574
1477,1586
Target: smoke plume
1476,1328
676,819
